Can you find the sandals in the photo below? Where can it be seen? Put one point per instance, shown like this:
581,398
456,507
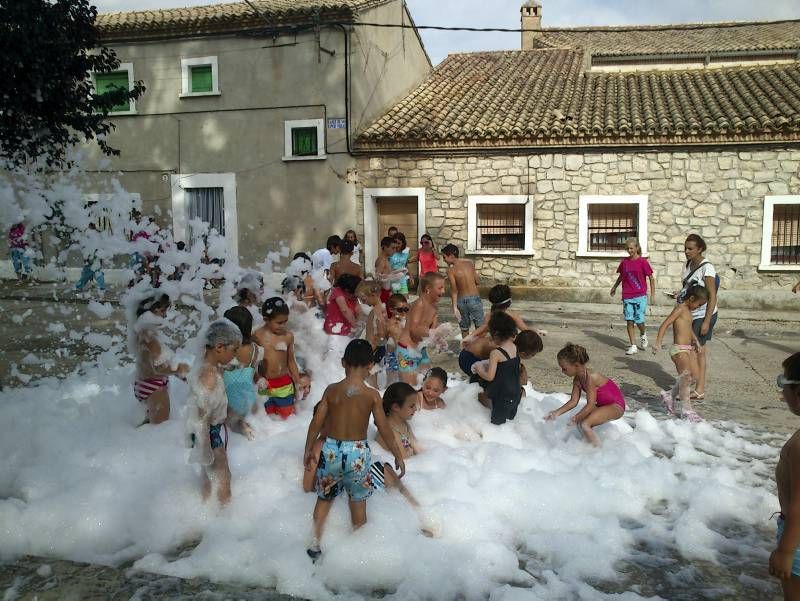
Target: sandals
691,415
695,396
666,398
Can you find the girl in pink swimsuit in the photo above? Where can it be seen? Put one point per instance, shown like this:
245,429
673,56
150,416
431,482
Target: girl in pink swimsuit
604,400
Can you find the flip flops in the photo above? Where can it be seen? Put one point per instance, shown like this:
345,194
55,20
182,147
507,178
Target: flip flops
695,396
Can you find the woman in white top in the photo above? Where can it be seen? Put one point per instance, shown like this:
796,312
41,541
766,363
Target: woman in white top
700,271
351,235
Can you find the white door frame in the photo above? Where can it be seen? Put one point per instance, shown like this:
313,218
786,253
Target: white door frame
180,208
372,237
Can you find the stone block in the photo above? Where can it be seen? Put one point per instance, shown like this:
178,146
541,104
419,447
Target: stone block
376,163
509,180
778,188
598,178
725,162
590,159
763,176
573,162
639,164
694,176
699,189
555,173
561,185
543,186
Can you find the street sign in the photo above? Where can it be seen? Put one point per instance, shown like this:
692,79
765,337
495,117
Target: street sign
337,123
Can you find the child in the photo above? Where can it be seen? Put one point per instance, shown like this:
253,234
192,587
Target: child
345,459
249,292
604,400
500,297
240,380
19,257
434,384
422,318
397,313
368,292
399,405
279,365
426,256
501,371
345,264
399,265
683,351
323,258
382,268
153,359
784,561
92,265
208,408
632,273
342,314
350,236
464,282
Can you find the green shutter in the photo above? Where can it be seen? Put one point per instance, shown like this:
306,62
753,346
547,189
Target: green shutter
201,78
106,82
304,141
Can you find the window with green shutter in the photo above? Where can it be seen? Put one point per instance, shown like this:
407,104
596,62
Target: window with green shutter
201,80
304,141
106,82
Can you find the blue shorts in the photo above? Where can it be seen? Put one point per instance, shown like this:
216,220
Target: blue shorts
411,360
471,310
635,309
796,562
344,465
466,360
215,436
390,361
698,323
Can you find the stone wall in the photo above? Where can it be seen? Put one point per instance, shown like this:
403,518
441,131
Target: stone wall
718,194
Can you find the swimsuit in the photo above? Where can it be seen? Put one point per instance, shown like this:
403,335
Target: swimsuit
239,385
410,360
607,394
427,263
677,349
398,261
144,388
280,396
796,562
405,441
344,465
504,391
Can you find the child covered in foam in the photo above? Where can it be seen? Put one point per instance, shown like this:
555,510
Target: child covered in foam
433,386
240,377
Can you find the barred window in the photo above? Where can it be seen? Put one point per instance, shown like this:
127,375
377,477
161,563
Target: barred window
611,224
501,227
785,242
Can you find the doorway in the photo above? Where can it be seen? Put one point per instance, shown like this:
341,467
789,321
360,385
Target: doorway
403,208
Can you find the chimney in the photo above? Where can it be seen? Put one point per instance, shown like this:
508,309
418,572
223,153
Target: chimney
531,20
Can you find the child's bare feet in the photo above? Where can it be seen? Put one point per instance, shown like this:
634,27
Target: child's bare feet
248,431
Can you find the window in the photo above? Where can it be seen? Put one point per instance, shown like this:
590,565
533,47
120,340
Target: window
207,205
780,236
304,140
605,223
120,79
500,225
199,77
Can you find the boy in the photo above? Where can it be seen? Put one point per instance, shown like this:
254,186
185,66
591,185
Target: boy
93,265
323,258
500,297
383,269
279,366
422,318
463,289
683,351
345,460
345,263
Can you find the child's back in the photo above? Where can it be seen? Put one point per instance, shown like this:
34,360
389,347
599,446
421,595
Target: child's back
504,390
348,410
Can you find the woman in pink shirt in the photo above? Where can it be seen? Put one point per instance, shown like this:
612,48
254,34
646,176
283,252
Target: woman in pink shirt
633,274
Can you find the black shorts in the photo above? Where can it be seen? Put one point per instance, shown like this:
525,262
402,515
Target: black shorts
698,323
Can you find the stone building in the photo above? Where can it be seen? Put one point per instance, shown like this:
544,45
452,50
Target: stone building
540,162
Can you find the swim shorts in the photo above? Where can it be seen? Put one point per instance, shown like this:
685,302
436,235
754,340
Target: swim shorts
215,436
635,309
796,562
280,396
411,360
143,389
377,476
390,361
344,465
471,310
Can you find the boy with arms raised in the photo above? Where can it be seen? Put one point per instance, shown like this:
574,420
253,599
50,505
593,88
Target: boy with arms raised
464,282
422,319
345,459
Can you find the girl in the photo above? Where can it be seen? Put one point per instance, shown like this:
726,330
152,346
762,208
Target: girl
400,405
434,384
501,370
153,358
399,264
351,236
208,408
633,273
248,295
784,562
397,311
342,314
426,256
240,380
604,400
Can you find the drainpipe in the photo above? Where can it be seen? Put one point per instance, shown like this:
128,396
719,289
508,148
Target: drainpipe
346,35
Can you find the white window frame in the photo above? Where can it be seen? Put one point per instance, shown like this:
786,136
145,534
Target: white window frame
500,199
288,126
180,206
122,67
766,232
186,76
583,223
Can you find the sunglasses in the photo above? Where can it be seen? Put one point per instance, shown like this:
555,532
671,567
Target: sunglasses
401,309
782,381
426,241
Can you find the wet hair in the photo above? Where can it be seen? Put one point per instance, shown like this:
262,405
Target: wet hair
438,373
500,297
355,236
222,331
152,303
181,245
529,342
400,238
301,256
333,242
273,307
293,282
394,301
396,394
358,353
348,282
698,241
697,291
429,279
502,326
392,227
573,353
242,293
791,368
635,241
366,287
346,247
450,250
242,319
387,242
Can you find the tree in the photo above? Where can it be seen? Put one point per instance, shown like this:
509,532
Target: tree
48,50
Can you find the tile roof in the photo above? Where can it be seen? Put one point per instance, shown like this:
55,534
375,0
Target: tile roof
675,39
543,98
222,18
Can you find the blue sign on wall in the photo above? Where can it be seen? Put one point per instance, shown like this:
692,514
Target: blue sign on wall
337,123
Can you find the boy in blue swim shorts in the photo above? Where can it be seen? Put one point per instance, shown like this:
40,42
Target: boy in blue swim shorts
345,460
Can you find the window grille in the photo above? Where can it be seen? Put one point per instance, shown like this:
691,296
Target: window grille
501,227
611,224
304,141
785,246
201,78
108,82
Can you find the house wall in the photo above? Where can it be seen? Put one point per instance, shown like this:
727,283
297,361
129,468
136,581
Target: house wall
718,194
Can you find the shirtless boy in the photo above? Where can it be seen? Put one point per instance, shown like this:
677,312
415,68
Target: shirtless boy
279,366
345,459
383,269
422,318
345,263
463,289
